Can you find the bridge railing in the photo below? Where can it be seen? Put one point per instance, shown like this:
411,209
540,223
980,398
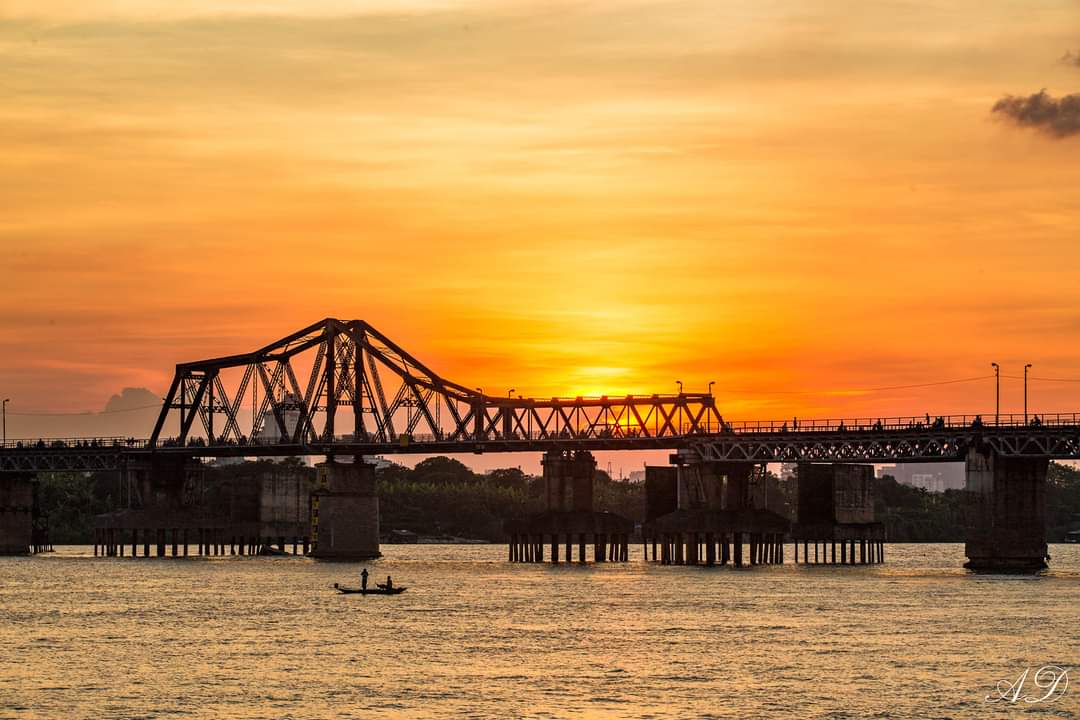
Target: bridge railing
73,443
1005,421
906,423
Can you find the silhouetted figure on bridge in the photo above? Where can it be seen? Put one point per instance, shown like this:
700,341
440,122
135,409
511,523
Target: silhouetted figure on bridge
977,422
1036,421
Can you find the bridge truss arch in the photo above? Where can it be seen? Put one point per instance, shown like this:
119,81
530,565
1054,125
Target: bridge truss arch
362,388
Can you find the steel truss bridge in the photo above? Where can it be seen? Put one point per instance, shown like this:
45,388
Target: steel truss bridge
365,395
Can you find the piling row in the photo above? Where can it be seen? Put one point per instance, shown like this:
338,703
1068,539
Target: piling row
852,552
158,542
716,548
529,548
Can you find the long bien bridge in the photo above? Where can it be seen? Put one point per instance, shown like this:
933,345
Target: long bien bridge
363,395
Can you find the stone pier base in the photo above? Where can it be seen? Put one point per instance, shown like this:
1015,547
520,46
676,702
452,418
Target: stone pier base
570,537
17,512
1005,512
345,512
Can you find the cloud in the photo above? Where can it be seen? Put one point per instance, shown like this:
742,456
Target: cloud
1059,117
132,399
1071,58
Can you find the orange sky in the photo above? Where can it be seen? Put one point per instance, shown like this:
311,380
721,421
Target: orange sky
564,198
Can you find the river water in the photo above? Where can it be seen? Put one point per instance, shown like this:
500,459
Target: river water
474,636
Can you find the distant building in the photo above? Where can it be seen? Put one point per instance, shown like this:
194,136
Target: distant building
933,477
378,461
268,431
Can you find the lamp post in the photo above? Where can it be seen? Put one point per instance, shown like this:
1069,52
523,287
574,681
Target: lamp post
4,405
1025,391
997,393
679,383
708,417
510,393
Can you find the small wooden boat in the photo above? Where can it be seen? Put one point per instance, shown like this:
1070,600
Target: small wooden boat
378,590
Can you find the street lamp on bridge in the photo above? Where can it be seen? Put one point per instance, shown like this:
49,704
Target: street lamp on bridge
679,383
997,392
510,393
1025,391
711,383
4,405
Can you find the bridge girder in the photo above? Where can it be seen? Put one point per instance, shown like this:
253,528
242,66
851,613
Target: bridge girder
391,394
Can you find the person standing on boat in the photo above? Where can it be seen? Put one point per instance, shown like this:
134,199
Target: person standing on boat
363,579
389,584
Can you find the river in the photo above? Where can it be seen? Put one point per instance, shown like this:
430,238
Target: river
474,636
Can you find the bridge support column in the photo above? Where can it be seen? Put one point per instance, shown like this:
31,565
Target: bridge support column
568,481
1005,512
836,505
345,512
17,511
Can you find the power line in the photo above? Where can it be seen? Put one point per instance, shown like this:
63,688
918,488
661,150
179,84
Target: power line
859,390
835,391
82,414
1043,379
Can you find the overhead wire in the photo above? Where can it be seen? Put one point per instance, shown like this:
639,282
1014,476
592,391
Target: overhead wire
858,390
85,413
759,391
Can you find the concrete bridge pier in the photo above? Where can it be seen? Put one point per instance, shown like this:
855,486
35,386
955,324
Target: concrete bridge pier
695,503
569,517
1005,512
159,496
836,508
18,514
345,512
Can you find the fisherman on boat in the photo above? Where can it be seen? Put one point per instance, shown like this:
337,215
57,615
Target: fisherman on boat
363,579
389,584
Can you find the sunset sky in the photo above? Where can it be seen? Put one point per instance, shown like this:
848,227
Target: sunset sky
789,198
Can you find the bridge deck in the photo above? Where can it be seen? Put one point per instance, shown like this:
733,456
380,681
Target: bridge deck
944,439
